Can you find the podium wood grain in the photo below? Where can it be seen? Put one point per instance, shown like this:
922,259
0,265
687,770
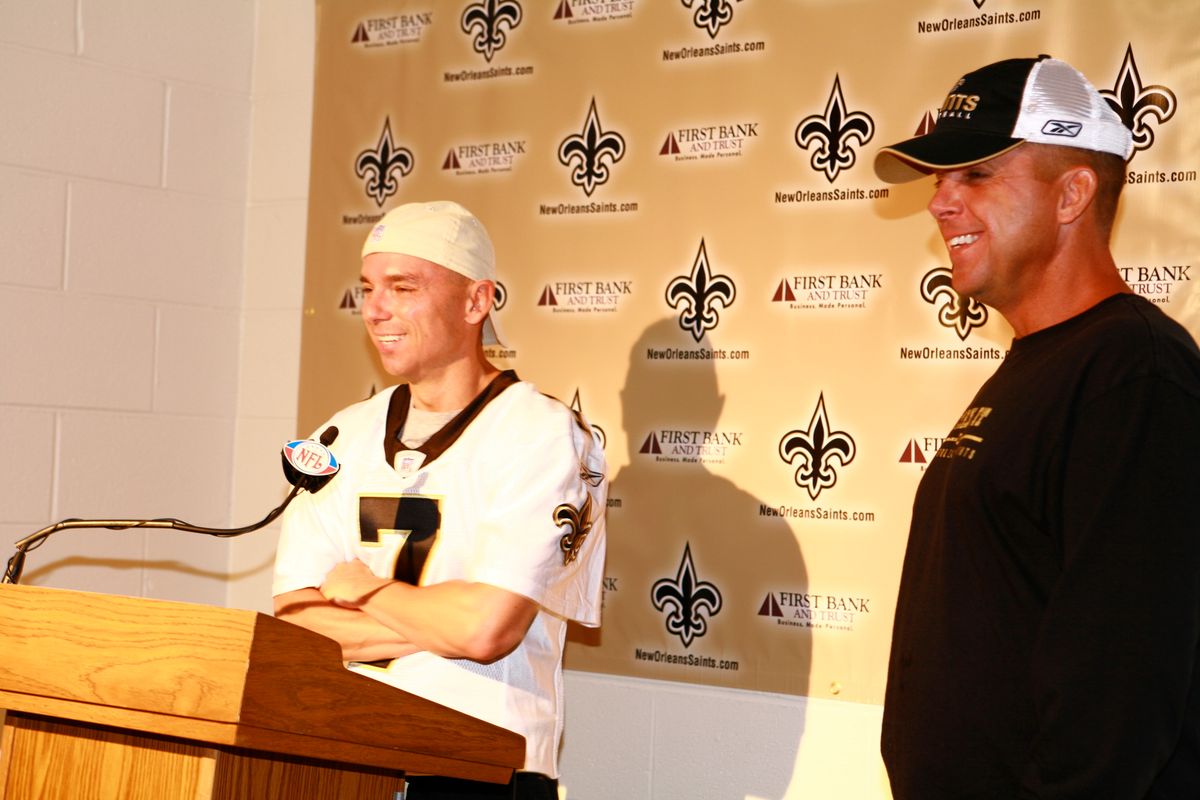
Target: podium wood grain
242,687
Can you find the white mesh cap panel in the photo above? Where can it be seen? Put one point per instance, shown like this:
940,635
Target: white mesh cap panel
1060,107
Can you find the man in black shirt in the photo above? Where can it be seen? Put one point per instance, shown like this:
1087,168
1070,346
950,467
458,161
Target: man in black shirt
1048,620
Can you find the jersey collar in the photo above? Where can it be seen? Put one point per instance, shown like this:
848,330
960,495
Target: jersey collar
440,442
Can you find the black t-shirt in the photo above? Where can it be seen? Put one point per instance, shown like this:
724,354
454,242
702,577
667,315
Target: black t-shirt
1046,632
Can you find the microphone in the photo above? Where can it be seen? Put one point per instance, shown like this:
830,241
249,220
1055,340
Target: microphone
308,466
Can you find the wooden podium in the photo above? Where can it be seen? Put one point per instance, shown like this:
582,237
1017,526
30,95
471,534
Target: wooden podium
118,697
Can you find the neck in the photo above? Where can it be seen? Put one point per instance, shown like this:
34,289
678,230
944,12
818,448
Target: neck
1077,278
454,386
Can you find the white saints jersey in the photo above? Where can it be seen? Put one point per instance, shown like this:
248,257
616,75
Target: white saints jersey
511,493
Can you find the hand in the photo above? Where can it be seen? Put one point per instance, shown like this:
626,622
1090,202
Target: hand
350,583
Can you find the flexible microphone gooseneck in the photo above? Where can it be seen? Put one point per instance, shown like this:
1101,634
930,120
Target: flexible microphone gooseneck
308,465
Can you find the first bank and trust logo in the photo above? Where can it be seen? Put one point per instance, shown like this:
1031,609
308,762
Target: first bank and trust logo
585,296
809,610
573,11
392,30
483,158
489,22
590,152
686,600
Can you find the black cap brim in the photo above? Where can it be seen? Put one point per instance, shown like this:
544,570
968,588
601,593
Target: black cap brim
938,151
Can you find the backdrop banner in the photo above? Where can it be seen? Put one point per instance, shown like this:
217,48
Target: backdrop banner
693,250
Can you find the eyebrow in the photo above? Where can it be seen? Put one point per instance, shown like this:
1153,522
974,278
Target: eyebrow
393,277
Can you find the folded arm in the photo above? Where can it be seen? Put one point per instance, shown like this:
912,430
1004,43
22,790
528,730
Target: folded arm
373,617
361,637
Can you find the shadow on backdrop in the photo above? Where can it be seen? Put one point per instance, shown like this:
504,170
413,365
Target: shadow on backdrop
683,541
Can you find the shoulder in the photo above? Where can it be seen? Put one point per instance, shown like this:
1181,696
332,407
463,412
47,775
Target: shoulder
523,402
526,414
1132,316
1128,337
1135,324
358,420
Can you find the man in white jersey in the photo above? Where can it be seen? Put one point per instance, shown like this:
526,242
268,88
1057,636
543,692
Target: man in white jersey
466,526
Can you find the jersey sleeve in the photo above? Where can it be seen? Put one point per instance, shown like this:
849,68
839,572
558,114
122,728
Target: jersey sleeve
306,552
309,545
542,527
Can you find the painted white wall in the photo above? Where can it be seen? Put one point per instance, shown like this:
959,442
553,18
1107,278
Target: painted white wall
124,145
648,740
153,190
272,291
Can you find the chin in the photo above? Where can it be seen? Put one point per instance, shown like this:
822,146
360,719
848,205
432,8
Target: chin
395,370
960,281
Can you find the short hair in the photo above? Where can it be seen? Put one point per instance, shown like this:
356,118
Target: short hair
1053,160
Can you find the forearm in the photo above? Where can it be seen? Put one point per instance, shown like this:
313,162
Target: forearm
361,637
455,619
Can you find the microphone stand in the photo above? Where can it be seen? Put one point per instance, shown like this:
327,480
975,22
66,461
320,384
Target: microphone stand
308,455
12,573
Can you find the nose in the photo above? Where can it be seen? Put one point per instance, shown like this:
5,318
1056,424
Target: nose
945,200
373,308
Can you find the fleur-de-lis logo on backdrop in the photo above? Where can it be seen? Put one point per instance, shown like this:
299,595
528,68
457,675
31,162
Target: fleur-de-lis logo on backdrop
953,310
688,599
836,132
699,293
589,151
1135,104
711,15
578,524
577,407
488,20
979,3
380,166
499,297
817,448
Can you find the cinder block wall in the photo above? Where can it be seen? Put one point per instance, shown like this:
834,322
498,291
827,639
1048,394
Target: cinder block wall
124,155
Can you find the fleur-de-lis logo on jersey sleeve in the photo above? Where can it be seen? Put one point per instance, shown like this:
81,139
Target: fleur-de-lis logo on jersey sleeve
488,20
711,15
688,599
588,151
1135,104
698,294
380,166
836,133
578,524
817,448
954,311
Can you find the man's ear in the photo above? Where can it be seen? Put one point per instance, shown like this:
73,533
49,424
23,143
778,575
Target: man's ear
1079,185
480,298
